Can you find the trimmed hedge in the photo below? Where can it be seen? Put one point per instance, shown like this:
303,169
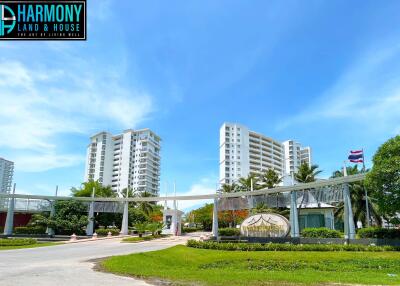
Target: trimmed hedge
377,232
30,230
321,232
17,241
287,247
229,231
190,229
104,231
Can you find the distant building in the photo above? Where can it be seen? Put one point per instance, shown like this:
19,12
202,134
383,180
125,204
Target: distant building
243,151
131,159
6,175
295,155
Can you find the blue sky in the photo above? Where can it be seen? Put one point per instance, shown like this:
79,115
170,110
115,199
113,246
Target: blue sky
324,73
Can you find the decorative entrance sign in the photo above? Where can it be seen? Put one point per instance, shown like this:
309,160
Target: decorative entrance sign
265,225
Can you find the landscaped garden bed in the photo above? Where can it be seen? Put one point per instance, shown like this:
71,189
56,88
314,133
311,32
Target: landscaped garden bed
142,238
183,265
239,246
15,243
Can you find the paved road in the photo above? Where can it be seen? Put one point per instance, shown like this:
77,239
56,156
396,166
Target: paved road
68,264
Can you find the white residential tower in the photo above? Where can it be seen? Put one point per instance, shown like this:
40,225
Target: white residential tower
6,175
243,151
130,159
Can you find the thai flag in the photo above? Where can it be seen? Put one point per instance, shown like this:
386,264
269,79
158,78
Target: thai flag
356,156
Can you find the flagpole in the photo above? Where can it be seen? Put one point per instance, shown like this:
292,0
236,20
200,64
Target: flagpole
366,194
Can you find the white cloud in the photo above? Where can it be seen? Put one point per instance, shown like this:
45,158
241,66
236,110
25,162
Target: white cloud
41,106
368,93
205,186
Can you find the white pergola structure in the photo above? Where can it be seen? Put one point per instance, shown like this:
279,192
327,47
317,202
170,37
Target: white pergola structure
340,185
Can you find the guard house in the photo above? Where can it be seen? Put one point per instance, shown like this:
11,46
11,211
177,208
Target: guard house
172,219
315,214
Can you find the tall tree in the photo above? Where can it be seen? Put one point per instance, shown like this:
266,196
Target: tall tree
86,190
230,188
270,179
230,215
307,173
245,183
384,178
70,217
203,216
100,191
145,206
357,196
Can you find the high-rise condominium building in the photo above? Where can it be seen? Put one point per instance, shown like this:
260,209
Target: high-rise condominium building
243,151
295,155
130,159
6,175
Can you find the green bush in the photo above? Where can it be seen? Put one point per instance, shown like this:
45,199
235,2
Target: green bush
190,229
229,231
377,232
287,247
321,232
30,230
104,231
17,241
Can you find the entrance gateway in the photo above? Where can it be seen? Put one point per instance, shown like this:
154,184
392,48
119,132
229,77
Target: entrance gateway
327,191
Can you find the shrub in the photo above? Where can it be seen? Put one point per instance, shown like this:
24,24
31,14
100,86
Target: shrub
377,232
30,230
321,232
138,239
104,231
17,241
229,231
141,228
287,247
190,229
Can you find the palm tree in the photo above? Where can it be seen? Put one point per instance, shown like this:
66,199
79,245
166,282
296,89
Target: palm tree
141,228
263,208
230,188
358,203
145,206
155,228
306,173
245,184
270,179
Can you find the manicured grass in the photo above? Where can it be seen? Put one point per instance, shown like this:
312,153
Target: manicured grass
143,238
190,266
29,245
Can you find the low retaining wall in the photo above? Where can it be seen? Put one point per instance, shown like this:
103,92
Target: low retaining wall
309,240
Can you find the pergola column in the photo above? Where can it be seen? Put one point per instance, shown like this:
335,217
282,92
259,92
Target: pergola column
349,227
9,226
90,225
294,217
215,219
50,231
125,216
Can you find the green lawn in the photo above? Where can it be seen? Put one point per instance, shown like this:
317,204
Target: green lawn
190,266
29,245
